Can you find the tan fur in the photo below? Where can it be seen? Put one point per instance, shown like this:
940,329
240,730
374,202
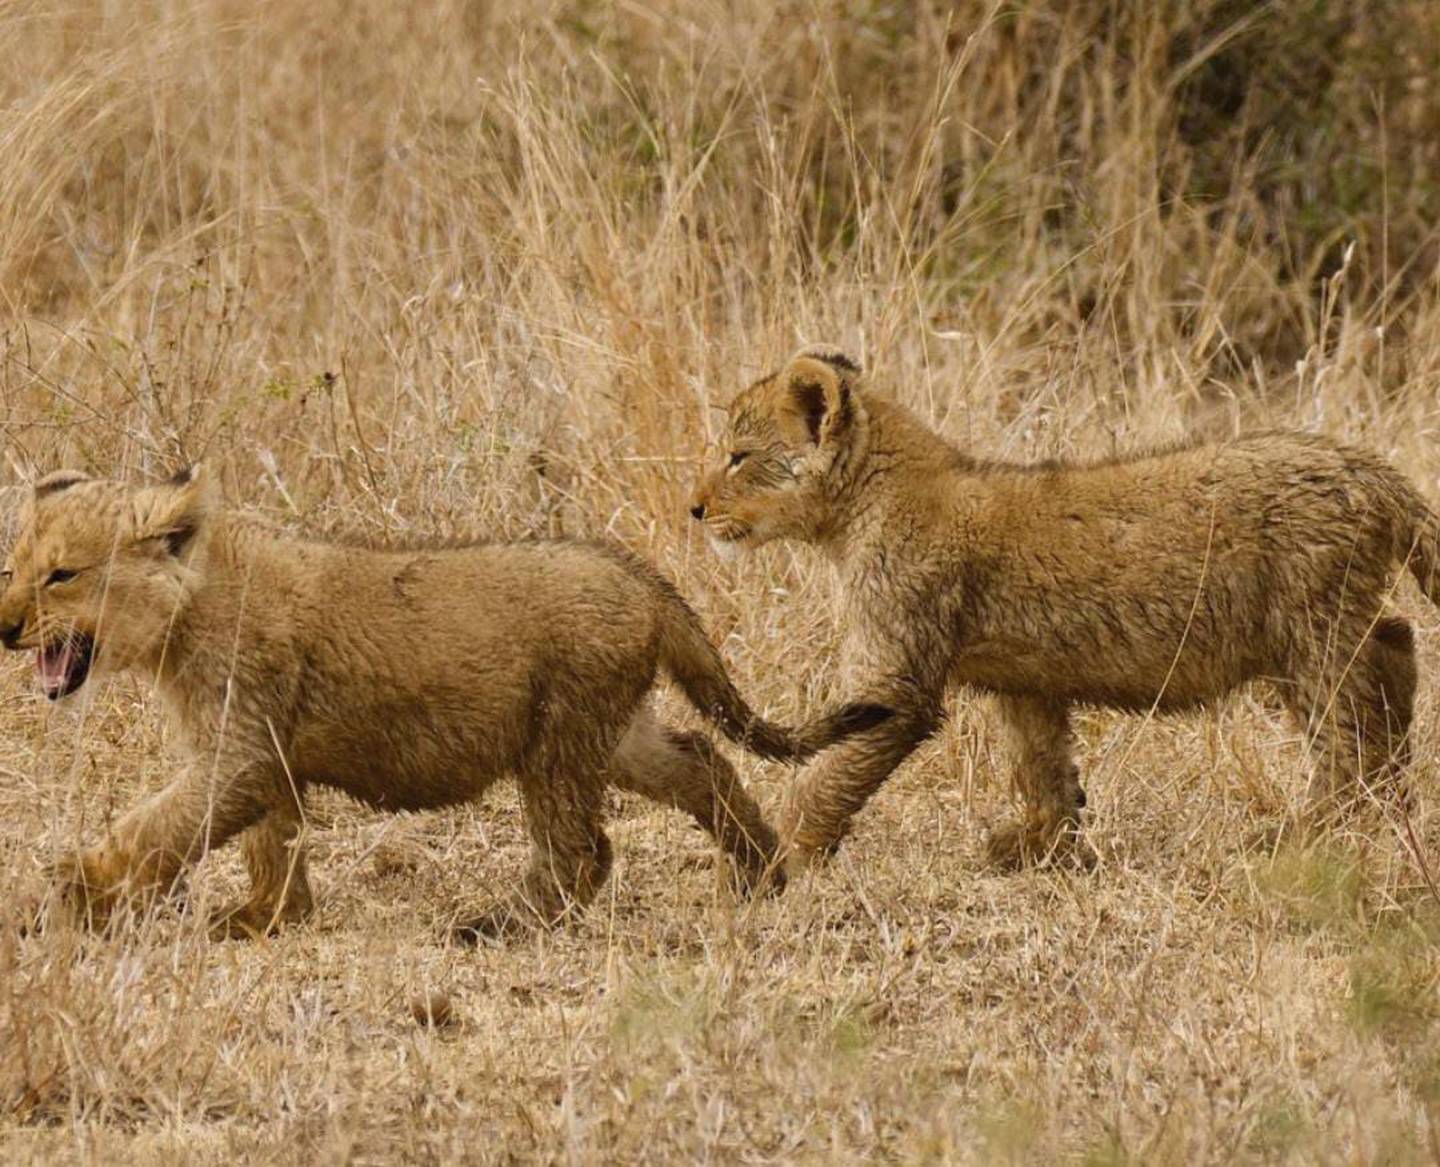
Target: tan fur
1159,582
407,678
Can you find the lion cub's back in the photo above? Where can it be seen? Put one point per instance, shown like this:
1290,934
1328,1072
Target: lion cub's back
505,598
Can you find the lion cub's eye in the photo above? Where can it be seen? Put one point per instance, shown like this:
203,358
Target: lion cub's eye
60,575
737,457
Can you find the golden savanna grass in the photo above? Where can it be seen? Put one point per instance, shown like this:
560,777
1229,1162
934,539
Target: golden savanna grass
489,268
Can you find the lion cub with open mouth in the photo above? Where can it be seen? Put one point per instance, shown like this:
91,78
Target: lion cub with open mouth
1159,581
406,678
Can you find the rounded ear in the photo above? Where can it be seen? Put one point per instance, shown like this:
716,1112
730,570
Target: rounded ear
58,480
174,512
830,355
817,392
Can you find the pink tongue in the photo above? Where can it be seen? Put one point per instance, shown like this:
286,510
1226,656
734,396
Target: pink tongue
53,665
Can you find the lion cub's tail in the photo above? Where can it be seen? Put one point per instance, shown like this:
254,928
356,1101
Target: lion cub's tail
695,665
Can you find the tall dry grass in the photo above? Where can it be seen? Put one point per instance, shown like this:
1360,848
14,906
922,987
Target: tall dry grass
490,267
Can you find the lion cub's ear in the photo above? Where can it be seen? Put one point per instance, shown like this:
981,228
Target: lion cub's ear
816,391
171,514
832,356
58,480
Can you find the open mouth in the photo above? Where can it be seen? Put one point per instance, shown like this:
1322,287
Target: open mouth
64,664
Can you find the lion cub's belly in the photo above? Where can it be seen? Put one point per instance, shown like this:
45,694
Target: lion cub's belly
410,753
1118,675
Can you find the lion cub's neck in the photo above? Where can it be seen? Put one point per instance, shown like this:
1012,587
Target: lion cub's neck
238,570
893,460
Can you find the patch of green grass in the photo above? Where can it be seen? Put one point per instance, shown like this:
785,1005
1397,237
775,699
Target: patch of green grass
1107,1151
1010,1130
1393,983
660,1012
1316,887
1280,1128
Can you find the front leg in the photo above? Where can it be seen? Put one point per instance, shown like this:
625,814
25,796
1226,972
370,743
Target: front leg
279,879
152,844
822,800
1048,782
906,669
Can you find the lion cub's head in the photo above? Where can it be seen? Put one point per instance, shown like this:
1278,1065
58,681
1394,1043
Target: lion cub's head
782,455
97,574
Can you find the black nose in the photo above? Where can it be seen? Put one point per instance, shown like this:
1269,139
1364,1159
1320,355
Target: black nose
698,511
10,634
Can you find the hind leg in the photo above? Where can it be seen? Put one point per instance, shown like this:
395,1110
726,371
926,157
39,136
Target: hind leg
1048,783
562,793
684,770
279,880
1357,717
1391,649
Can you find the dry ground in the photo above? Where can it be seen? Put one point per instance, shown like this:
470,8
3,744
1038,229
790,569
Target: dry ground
488,269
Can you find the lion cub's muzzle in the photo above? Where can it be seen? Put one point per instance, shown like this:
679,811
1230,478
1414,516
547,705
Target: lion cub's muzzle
724,536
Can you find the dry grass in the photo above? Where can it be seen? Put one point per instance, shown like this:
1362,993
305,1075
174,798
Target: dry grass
490,268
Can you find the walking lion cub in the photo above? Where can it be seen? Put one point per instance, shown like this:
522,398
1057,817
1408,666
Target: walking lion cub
1159,581
407,678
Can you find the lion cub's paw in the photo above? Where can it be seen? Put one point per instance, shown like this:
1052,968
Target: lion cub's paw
1020,845
237,924
764,881
1006,849
802,854
251,921
799,861
492,927
76,894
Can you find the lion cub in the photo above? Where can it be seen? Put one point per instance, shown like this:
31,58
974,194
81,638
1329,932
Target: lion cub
406,678
1159,581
